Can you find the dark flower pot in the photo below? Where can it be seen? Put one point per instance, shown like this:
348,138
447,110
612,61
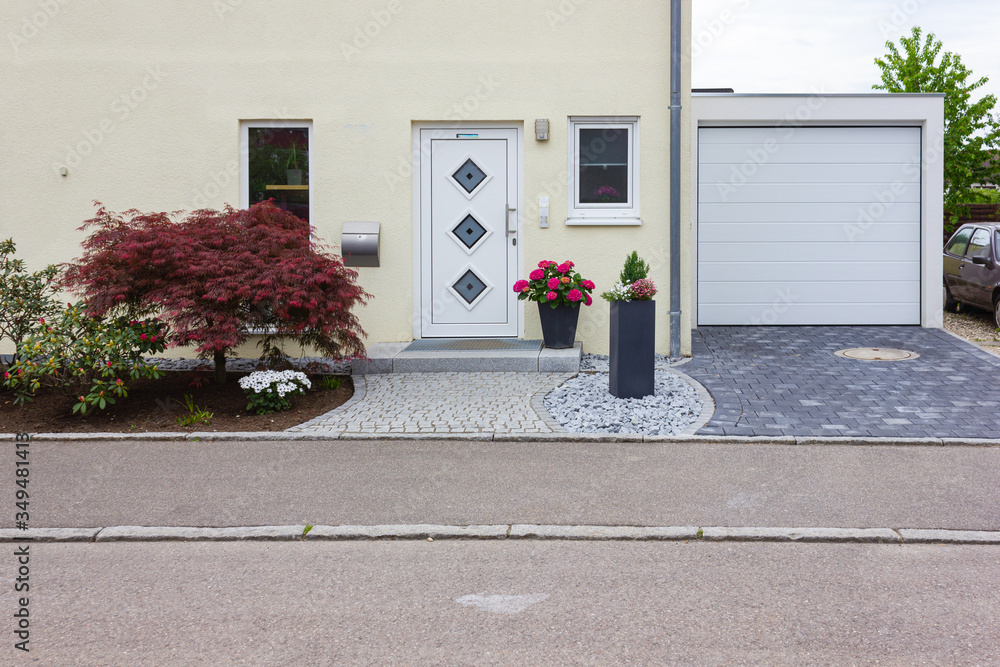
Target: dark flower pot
558,324
633,329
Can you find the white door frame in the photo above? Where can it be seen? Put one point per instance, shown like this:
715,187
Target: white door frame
420,254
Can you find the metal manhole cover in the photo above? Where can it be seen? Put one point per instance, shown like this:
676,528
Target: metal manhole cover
876,354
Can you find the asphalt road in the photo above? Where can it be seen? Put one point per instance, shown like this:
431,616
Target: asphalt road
92,484
456,602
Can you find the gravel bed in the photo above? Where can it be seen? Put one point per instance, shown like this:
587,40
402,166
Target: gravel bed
323,364
584,404
975,325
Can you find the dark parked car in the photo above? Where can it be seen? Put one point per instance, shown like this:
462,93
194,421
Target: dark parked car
972,268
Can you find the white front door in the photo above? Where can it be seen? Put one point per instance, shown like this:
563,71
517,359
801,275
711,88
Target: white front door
468,232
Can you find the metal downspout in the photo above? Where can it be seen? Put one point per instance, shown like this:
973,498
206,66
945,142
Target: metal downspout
675,178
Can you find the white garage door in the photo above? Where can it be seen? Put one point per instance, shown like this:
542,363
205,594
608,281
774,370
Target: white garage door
816,225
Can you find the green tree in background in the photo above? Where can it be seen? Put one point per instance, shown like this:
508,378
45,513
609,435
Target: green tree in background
971,132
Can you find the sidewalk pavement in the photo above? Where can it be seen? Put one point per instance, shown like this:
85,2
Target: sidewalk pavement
741,490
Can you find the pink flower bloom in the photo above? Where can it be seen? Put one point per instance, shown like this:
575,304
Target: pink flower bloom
537,274
143,336
587,300
551,296
563,268
574,295
643,289
109,364
588,284
571,264
152,338
520,285
545,263
553,283
41,320
565,280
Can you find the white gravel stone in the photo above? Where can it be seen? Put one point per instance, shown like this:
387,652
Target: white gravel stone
584,404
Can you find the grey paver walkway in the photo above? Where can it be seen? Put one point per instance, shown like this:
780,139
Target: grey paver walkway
453,402
787,381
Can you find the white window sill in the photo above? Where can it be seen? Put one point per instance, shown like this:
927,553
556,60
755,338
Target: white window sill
604,221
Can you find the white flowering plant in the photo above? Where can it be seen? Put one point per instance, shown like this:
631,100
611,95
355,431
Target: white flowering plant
271,391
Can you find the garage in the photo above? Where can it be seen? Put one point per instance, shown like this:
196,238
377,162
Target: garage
812,221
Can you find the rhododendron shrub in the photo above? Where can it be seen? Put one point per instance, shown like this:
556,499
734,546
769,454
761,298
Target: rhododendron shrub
24,297
90,360
217,277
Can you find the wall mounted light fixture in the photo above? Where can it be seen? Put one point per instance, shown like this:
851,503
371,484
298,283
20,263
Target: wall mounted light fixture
542,129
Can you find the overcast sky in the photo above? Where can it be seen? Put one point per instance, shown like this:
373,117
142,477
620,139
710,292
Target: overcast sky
798,46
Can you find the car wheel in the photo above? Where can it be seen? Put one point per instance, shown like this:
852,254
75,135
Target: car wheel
949,304
996,313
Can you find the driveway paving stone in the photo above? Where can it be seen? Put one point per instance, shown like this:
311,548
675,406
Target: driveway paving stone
787,381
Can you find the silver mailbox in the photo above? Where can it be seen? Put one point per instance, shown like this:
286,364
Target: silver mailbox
359,243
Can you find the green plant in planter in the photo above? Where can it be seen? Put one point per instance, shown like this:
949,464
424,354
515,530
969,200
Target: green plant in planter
633,285
293,158
634,269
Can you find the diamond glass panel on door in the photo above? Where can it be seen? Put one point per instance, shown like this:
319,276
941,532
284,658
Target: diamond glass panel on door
469,286
469,176
469,231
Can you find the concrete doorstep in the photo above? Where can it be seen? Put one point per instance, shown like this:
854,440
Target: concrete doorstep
431,532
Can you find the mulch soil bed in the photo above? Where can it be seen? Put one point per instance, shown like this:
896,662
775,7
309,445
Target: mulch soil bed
152,406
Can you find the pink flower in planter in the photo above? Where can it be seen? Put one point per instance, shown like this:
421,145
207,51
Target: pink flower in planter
553,283
587,284
551,296
544,263
574,295
569,264
537,274
587,300
564,267
520,285
565,280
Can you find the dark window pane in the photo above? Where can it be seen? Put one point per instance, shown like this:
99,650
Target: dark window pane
279,167
603,165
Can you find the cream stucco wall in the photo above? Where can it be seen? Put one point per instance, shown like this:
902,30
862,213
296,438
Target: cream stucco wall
142,102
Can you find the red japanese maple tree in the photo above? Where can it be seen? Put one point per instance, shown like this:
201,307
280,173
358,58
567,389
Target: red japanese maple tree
217,277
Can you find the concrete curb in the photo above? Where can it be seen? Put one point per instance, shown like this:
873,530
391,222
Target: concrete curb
538,532
290,436
191,534
502,532
407,532
860,535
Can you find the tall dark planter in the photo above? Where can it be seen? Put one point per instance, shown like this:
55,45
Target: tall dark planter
558,324
633,329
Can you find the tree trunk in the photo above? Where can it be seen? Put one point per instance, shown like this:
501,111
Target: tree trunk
220,367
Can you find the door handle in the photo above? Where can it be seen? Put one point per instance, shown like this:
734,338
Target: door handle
507,230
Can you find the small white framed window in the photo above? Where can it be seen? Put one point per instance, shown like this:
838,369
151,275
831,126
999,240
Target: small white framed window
275,164
603,171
